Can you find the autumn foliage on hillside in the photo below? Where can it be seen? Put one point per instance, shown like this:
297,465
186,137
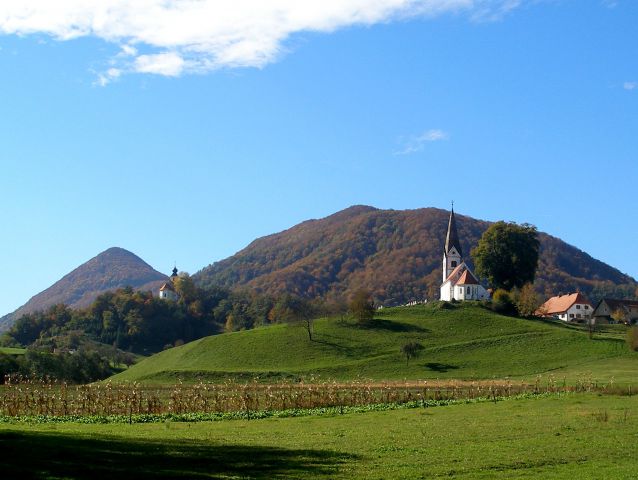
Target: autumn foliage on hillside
396,255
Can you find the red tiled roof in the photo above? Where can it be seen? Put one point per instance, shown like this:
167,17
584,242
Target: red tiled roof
167,286
455,272
561,304
467,278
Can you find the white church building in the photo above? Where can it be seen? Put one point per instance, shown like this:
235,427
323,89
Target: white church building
459,283
167,291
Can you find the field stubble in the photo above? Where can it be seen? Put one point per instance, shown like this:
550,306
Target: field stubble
24,398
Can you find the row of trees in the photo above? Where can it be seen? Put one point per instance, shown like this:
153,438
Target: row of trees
139,322
82,366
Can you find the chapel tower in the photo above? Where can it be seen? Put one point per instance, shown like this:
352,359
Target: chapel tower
452,255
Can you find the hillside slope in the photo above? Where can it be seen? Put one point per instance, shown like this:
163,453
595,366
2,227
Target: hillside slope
394,253
111,269
464,342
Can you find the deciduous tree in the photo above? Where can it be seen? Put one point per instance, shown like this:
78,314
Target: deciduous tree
507,255
362,307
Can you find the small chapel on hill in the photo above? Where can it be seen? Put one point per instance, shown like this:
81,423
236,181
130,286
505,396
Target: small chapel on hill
459,283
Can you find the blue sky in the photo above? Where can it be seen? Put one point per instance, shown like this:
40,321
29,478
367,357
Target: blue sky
183,147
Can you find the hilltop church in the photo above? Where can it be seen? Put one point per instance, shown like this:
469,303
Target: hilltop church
459,283
167,291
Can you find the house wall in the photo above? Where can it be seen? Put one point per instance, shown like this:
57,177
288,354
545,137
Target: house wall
470,292
577,312
167,295
446,292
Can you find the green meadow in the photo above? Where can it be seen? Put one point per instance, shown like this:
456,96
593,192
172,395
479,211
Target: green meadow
568,436
462,342
12,351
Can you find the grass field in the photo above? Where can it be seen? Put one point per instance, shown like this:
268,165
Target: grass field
12,351
466,342
575,436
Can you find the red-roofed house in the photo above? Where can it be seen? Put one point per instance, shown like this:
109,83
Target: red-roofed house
459,283
569,308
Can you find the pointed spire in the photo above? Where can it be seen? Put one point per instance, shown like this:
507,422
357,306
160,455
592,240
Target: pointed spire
452,237
174,271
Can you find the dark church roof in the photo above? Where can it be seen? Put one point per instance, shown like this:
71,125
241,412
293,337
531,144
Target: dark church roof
452,237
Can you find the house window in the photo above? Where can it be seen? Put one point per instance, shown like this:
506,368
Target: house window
453,263
571,315
586,307
578,307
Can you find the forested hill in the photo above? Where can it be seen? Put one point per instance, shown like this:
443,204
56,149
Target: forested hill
394,253
114,268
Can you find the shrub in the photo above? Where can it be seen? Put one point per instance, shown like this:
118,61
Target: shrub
502,302
527,300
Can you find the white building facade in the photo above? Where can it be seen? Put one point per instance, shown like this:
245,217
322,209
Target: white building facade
569,308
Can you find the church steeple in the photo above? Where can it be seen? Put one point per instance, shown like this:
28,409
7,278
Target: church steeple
452,255
452,237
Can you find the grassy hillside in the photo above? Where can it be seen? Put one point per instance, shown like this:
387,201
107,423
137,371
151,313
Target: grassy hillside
465,342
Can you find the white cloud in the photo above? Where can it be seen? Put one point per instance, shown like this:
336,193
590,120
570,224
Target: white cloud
172,37
169,64
630,85
416,143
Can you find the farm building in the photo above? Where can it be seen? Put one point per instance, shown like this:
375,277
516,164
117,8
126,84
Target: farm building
569,308
610,310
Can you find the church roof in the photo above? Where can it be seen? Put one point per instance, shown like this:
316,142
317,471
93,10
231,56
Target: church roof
467,278
561,304
452,237
462,275
456,273
167,286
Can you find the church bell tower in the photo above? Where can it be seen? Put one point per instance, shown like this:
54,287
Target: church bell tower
452,255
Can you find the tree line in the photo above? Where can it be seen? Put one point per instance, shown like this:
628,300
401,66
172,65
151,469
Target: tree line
140,322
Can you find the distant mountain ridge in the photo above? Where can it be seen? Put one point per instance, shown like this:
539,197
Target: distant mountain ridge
114,268
396,254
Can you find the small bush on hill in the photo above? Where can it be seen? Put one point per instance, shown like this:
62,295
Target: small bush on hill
503,303
527,300
443,305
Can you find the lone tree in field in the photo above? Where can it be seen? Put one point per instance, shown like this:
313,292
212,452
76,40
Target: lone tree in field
411,350
507,255
296,310
362,307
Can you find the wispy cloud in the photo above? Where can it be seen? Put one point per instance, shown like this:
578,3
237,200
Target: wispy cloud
630,85
173,37
416,143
